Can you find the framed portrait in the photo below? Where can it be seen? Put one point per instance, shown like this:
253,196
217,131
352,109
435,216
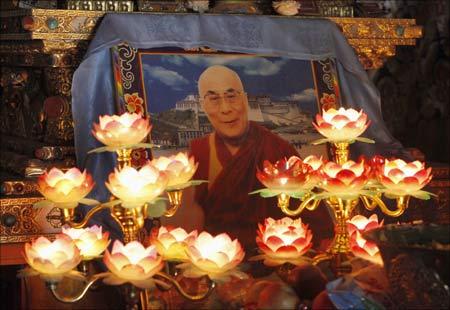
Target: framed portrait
284,94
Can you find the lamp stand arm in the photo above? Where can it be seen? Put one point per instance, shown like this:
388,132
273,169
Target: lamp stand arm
183,293
371,202
66,299
69,216
117,213
309,203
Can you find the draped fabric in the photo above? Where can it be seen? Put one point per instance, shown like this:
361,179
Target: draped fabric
299,38
227,204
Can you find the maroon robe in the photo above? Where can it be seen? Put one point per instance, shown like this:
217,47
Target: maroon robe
227,204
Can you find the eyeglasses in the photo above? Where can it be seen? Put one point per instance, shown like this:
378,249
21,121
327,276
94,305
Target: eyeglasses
213,100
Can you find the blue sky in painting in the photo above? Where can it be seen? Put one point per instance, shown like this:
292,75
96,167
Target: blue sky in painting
170,78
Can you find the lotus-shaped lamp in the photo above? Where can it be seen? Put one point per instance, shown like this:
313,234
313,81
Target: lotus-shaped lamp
52,259
171,243
65,189
362,224
179,168
136,187
288,175
344,181
215,255
401,178
284,240
132,263
90,241
365,249
286,7
316,164
343,125
117,131
360,246
373,166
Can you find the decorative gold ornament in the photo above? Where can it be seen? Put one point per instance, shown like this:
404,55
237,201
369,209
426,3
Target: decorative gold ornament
21,222
102,5
374,39
175,202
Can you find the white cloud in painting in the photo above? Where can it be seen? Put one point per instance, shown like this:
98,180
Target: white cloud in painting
250,65
308,94
173,59
206,61
167,77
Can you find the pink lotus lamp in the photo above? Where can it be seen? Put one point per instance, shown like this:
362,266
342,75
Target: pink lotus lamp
52,260
132,263
283,241
90,241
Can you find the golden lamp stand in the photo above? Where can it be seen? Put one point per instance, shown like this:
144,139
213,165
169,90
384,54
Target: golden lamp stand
131,222
339,252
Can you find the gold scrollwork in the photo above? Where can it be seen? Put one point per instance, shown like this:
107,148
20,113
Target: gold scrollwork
59,81
127,55
19,188
327,76
65,128
373,53
382,28
374,39
54,217
24,238
25,217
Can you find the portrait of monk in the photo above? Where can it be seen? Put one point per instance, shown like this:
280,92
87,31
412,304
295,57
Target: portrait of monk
228,158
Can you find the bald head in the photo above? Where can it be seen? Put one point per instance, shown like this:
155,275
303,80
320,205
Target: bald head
224,102
219,78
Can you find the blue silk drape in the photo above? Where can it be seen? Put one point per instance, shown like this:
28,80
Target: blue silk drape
300,38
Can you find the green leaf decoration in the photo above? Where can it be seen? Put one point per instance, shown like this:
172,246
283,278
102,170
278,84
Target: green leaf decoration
157,208
112,203
423,195
257,191
143,145
89,202
43,204
197,182
126,146
158,199
269,193
368,193
297,195
374,186
177,187
185,185
103,149
323,195
365,140
390,195
320,141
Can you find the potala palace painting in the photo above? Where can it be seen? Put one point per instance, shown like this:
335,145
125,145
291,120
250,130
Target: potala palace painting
280,92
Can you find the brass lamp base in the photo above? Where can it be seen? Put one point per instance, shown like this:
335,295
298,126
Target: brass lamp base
339,252
175,202
338,262
124,157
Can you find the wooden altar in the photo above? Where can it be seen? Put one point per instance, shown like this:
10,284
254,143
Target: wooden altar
39,52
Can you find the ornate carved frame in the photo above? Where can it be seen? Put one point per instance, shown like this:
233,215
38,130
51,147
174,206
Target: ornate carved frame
129,79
